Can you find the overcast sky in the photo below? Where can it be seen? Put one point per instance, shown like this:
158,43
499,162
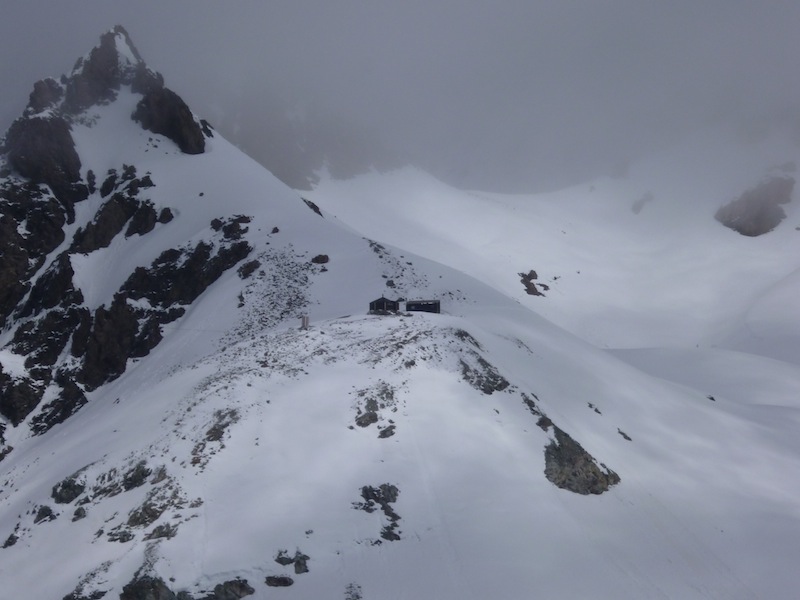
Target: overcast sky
495,94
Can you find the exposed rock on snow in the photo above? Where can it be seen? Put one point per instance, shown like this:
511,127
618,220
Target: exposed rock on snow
121,209
179,276
570,467
372,403
481,375
279,581
230,590
352,592
96,595
528,279
313,207
299,560
43,514
147,588
67,491
382,497
70,398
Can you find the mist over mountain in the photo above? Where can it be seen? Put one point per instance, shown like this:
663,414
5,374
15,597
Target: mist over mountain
214,386
510,96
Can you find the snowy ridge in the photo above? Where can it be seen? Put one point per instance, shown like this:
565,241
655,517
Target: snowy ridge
223,441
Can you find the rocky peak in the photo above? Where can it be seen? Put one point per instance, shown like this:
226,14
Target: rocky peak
96,77
69,348
39,145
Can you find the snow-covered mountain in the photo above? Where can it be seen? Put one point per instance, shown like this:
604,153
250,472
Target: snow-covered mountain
170,431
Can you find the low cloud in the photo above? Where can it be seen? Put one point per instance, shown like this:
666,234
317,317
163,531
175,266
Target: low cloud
505,95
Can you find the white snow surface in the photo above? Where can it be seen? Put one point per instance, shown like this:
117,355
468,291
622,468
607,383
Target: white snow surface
652,327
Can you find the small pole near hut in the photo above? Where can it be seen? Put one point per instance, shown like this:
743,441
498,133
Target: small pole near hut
304,322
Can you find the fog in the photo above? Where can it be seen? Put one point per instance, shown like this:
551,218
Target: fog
505,95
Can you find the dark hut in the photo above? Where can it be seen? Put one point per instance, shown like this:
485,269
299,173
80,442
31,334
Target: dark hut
383,305
431,306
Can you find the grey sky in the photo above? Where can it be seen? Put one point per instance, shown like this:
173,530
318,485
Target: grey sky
495,94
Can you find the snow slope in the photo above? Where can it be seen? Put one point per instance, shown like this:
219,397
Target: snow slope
638,264
630,262
404,455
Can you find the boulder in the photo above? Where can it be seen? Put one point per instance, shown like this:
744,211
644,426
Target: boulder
570,467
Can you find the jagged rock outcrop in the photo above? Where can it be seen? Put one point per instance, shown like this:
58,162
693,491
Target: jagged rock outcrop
115,337
108,222
105,340
147,588
67,490
231,590
70,350
70,398
758,211
178,277
14,267
122,208
43,151
18,397
528,279
97,77
46,93
31,226
43,340
143,220
162,111
53,288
